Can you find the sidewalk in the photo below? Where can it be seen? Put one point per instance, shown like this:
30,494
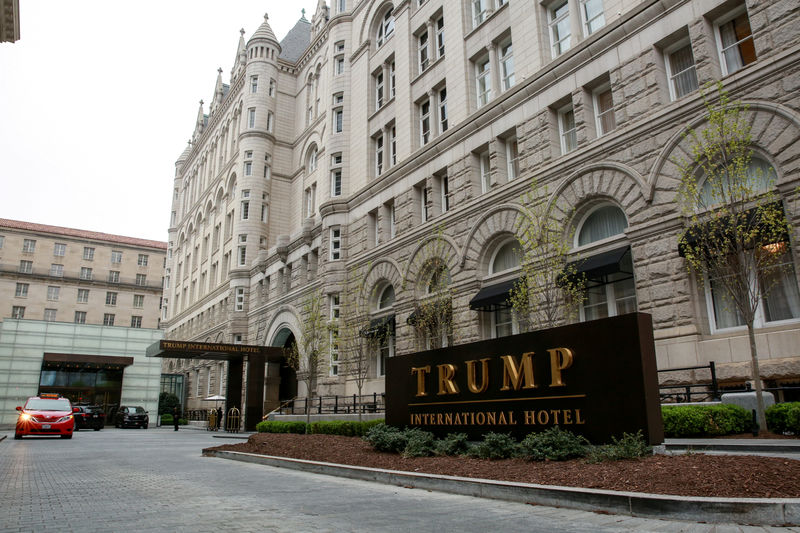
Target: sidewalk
770,447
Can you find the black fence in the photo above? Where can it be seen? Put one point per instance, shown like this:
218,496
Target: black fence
367,403
709,390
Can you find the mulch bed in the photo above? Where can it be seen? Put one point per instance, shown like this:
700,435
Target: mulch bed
696,474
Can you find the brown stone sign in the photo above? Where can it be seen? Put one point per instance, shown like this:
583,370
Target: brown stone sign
597,379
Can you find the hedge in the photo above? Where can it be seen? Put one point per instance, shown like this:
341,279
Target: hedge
273,426
333,427
784,417
702,420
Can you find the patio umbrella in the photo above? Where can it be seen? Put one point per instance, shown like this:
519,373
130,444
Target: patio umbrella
215,398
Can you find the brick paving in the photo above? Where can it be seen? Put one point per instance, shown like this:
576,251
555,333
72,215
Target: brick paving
156,480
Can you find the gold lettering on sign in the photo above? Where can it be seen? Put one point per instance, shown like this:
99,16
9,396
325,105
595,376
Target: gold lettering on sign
560,359
446,384
473,387
578,419
420,372
514,376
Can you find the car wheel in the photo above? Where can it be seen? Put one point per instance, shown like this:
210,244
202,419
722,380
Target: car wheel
116,424
145,426
77,428
69,436
17,436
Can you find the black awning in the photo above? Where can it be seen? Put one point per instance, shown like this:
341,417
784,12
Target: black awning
750,218
492,297
378,327
596,267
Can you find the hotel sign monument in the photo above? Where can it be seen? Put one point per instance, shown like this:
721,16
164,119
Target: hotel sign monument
597,379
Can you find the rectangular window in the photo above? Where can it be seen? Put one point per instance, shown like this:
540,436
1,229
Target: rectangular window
339,65
18,312
28,246
57,270
425,122
502,323
113,276
264,212
391,80
392,221
271,87
338,47
240,298
108,319
116,257
80,317
681,71
736,48
445,185
86,273
560,33
604,110
393,146
483,81
336,243
333,342
379,155
442,110
142,260
111,298
242,256
141,279
251,117
26,267
53,293
49,315
59,249
136,321
507,65
270,120
253,84
512,158
248,168
424,203
138,301
244,210
83,296
334,306
479,12
593,17
336,182
440,37
422,51
379,90
567,132
486,176
338,120
88,253
22,290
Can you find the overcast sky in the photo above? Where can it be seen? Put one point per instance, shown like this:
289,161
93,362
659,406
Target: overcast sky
98,99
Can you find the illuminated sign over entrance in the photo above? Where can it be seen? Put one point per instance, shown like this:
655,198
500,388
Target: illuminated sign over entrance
596,378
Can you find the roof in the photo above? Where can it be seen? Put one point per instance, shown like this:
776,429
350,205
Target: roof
264,31
80,234
296,41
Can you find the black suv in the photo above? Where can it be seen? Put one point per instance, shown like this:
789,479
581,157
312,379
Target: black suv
89,417
130,415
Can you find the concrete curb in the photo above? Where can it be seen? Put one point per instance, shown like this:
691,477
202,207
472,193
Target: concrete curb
750,511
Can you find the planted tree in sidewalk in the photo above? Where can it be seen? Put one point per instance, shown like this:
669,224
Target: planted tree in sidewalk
550,289
735,237
432,317
306,355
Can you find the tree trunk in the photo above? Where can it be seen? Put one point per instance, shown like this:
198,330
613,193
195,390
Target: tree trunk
761,417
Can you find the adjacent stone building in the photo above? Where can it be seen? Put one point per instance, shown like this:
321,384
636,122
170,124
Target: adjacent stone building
79,310
383,138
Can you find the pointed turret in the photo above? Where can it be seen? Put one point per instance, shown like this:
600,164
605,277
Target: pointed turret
264,32
185,155
200,124
241,55
218,92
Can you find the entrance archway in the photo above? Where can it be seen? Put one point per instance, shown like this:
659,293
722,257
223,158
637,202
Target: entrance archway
288,377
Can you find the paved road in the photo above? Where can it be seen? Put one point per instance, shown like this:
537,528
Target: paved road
156,480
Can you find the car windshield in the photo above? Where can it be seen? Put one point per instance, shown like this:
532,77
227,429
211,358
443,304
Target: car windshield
136,410
38,404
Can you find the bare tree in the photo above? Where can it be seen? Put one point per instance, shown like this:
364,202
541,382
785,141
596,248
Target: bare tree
736,233
550,290
305,356
433,313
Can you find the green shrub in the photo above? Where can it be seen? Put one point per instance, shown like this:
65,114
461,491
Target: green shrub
701,420
452,444
344,427
386,438
784,417
495,446
554,444
274,426
419,443
630,446
182,422
167,402
167,419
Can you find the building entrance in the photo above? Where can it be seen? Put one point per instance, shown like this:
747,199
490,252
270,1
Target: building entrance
84,379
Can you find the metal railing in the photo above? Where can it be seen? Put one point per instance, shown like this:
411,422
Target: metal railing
703,391
366,403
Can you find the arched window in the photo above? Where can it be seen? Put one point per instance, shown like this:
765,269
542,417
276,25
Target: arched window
440,278
602,223
385,28
385,298
760,177
506,257
311,161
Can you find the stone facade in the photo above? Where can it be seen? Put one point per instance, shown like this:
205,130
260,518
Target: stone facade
357,96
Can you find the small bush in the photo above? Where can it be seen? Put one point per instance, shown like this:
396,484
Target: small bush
452,444
182,421
343,427
386,438
630,446
784,417
553,444
166,420
495,446
419,443
701,420
273,426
